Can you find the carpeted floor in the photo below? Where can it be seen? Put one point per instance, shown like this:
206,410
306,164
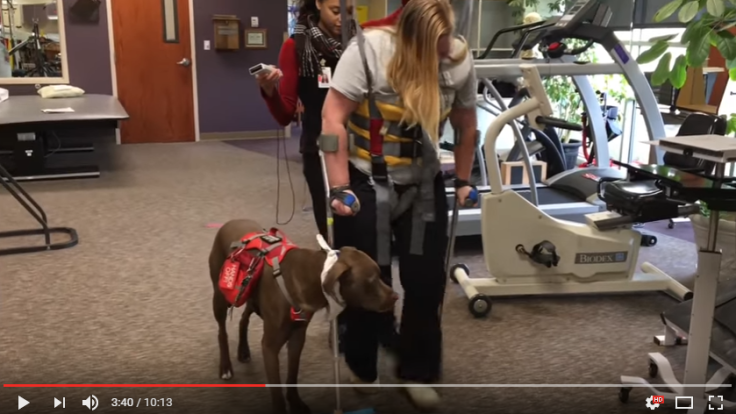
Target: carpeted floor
131,302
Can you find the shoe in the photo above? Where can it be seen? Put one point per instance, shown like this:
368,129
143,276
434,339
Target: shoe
424,398
355,380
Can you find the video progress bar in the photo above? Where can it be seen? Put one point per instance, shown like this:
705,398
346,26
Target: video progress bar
348,385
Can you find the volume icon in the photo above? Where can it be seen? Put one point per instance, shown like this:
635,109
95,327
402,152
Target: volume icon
61,403
90,402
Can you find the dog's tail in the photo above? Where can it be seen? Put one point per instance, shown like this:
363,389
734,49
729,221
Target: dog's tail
217,259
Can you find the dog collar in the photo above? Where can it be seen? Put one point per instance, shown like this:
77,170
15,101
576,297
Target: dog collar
335,302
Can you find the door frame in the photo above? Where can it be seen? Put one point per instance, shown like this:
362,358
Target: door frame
193,42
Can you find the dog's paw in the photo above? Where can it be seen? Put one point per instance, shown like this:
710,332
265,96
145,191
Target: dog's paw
244,355
226,373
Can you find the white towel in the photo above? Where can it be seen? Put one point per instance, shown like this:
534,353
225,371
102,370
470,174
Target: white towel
333,307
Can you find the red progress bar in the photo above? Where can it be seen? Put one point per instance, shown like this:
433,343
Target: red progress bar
134,385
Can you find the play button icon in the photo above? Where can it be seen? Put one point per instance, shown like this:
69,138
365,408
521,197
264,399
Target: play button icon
22,402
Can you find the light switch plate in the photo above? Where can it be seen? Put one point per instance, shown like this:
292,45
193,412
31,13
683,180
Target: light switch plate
207,45
254,22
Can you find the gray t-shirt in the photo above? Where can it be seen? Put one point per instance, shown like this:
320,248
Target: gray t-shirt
457,80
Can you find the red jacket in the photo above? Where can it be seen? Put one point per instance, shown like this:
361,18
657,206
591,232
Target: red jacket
282,104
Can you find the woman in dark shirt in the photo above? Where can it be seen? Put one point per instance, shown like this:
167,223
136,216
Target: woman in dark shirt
307,57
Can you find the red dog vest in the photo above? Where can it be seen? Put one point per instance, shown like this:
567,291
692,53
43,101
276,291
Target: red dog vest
244,267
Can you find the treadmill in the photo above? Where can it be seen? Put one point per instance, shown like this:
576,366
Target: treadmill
573,194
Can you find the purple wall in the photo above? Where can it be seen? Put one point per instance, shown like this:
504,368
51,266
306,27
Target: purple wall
229,100
89,55
228,96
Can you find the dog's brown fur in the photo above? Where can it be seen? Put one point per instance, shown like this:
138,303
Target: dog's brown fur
360,286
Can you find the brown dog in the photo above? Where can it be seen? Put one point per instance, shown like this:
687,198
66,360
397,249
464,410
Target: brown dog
360,286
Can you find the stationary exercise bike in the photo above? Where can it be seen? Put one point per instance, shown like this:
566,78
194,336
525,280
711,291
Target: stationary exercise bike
530,253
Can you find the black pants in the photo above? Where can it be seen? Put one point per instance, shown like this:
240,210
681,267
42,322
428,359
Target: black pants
418,344
312,169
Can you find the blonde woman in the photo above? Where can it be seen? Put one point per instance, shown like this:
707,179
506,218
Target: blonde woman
393,88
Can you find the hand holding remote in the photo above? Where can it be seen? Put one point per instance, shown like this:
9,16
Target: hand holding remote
268,78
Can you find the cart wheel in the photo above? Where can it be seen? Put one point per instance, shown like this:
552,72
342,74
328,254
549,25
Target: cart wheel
648,240
670,225
653,370
458,266
479,306
623,395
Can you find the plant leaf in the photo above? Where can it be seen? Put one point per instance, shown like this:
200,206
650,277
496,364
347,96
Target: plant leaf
698,50
731,126
688,11
678,74
667,10
653,53
662,73
713,38
664,38
726,45
715,7
691,30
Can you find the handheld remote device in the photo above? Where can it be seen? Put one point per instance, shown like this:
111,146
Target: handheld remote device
260,68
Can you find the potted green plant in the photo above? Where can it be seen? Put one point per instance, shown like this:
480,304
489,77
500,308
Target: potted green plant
708,24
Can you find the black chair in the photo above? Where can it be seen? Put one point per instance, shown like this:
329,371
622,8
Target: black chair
695,124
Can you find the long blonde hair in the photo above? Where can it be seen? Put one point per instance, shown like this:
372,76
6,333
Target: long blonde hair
413,71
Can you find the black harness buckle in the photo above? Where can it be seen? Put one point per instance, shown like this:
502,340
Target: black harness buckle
379,169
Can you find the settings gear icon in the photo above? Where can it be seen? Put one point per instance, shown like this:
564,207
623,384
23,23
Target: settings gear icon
651,405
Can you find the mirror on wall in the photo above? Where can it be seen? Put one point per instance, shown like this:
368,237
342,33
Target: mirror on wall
31,41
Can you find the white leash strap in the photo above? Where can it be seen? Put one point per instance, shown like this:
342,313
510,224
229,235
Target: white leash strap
335,304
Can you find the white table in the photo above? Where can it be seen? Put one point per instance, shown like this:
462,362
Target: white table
721,150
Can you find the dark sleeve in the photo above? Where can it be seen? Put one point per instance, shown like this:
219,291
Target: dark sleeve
282,104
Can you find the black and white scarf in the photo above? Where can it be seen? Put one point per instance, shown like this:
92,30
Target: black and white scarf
313,45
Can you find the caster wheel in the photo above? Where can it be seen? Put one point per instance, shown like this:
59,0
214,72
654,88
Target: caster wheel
458,266
479,306
623,395
670,225
648,240
653,370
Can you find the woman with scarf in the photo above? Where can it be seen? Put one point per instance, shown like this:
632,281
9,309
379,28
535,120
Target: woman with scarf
306,63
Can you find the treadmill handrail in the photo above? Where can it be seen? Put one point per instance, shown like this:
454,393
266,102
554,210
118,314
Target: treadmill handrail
508,30
546,69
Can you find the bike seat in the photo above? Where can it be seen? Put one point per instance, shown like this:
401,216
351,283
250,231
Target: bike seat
631,191
641,200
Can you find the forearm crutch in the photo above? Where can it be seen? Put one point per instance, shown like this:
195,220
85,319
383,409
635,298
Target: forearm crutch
470,202
333,323
334,335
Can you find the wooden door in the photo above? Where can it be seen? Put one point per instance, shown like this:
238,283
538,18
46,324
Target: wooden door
154,73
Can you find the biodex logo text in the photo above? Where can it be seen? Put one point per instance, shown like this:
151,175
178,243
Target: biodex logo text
600,258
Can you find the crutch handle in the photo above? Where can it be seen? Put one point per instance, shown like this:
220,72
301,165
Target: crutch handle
351,201
472,199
